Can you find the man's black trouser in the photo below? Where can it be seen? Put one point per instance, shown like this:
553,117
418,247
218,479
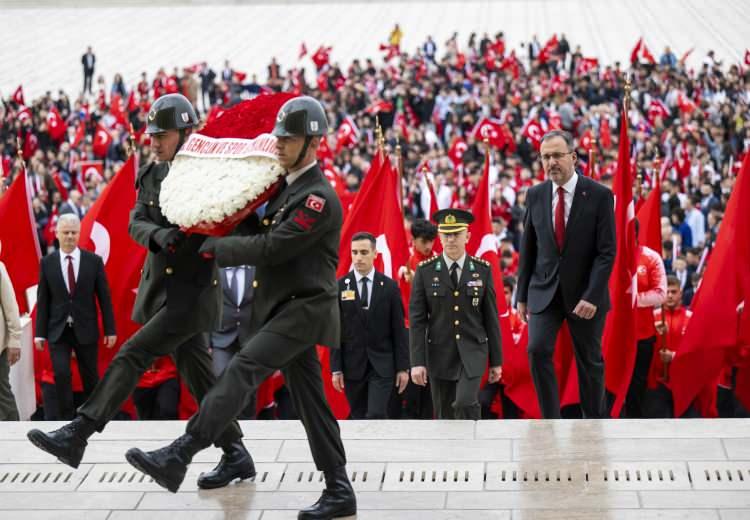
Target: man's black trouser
190,353
259,357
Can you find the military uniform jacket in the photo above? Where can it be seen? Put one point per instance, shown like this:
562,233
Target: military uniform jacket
454,327
294,249
183,280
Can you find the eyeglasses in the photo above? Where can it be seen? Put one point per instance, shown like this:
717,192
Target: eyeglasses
556,156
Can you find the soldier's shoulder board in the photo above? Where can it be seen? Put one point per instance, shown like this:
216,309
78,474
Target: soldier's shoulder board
480,261
428,261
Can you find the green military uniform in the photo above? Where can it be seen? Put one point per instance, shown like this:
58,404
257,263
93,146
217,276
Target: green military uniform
454,328
294,249
179,300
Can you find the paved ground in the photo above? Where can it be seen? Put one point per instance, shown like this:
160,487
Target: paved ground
634,470
42,45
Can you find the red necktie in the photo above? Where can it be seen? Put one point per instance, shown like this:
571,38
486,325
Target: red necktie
560,218
71,276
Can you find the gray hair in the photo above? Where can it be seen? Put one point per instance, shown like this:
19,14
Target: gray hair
560,133
70,218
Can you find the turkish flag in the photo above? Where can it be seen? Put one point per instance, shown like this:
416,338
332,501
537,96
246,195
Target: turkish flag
657,108
489,129
19,243
636,51
427,198
457,150
619,342
549,48
379,106
747,57
30,145
56,127
87,169
102,141
586,65
713,333
347,134
302,51
646,54
79,135
324,150
587,140
322,56
60,186
532,130
23,114
605,133
115,109
649,217
685,104
104,231
18,96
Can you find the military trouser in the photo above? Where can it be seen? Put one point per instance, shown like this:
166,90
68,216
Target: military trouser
260,357
190,353
457,399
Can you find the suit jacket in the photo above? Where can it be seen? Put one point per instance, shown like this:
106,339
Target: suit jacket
450,327
582,268
295,251
183,281
86,68
235,320
55,304
376,334
66,207
10,325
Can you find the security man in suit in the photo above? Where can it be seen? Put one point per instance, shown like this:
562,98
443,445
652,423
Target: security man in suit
453,320
294,248
226,341
178,302
374,354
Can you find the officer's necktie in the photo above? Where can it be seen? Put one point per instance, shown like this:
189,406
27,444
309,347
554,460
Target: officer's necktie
365,293
71,275
233,285
560,218
454,275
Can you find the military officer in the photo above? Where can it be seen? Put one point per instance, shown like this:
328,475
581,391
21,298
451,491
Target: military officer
179,300
294,249
454,322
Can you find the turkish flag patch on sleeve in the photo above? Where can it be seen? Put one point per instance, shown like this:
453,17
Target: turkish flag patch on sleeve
315,203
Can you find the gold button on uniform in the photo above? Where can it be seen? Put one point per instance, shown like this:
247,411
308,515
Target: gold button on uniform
169,270
255,283
455,293
458,336
151,203
455,307
266,221
455,322
216,282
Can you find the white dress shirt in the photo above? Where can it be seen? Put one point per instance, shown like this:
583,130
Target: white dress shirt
76,254
296,174
570,190
449,263
239,272
370,280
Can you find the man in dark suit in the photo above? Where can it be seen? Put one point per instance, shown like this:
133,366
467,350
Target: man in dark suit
294,248
73,205
237,292
567,252
454,326
178,302
70,283
374,350
88,61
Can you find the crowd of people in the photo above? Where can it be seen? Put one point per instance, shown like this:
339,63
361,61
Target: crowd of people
689,128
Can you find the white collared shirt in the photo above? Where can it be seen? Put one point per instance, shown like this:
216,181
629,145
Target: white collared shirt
76,255
449,263
296,174
239,272
370,280
570,190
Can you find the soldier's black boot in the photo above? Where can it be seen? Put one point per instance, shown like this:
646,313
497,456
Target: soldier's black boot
168,465
68,443
235,463
336,501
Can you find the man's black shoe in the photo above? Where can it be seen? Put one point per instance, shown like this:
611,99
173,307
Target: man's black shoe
68,443
168,465
336,501
235,463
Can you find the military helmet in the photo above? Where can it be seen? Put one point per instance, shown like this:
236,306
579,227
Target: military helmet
171,112
303,116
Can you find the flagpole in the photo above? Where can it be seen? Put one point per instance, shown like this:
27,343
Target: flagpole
591,157
400,169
